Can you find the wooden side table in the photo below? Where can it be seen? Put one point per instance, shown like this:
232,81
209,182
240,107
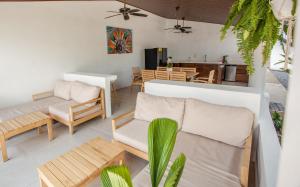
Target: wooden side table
81,165
21,124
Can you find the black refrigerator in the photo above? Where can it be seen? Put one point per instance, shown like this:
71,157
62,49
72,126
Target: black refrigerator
155,57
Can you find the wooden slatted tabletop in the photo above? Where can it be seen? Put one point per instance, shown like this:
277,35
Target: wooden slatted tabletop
22,124
81,165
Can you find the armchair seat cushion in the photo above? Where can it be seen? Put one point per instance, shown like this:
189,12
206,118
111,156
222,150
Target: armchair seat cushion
62,110
134,134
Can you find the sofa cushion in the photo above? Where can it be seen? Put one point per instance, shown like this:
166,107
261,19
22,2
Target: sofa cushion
149,107
208,163
81,92
134,134
41,105
62,89
62,110
231,125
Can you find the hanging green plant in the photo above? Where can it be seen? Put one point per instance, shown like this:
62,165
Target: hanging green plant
254,24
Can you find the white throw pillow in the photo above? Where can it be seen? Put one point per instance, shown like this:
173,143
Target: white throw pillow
62,89
149,107
231,125
81,92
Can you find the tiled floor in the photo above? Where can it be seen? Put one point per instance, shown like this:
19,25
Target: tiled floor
29,150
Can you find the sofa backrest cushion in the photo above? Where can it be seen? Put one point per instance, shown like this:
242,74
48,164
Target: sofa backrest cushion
81,92
62,89
149,107
227,124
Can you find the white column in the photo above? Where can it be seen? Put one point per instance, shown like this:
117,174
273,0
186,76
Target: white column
289,170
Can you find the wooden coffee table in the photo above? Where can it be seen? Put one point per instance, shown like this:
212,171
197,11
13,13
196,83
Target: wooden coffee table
22,124
81,165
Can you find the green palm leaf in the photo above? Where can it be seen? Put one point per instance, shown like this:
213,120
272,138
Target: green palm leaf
116,176
175,171
161,140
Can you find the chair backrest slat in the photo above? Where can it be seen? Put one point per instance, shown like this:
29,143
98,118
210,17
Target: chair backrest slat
161,68
148,75
193,70
176,69
162,75
178,76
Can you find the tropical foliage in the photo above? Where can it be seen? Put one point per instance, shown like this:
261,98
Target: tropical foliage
254,24
161,140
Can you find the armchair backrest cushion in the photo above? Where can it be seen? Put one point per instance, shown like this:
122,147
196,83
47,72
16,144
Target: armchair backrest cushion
81,92
62,89
149,107
227,124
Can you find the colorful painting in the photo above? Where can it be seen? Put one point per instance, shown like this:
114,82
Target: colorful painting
118,40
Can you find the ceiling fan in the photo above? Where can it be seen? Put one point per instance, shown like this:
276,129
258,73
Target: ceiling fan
177,26
184,29
125,11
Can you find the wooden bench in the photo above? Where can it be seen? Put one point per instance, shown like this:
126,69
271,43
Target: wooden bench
22,124
81,165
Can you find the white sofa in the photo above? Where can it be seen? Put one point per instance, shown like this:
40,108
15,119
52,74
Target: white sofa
216,139
70,103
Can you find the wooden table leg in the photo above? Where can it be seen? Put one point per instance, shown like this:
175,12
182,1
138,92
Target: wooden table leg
3,148
50,130
39,130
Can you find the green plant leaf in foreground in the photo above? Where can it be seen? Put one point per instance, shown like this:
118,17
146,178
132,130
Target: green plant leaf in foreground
175,171
116,176
161,140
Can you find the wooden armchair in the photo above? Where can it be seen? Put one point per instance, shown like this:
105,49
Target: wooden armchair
136,78
147,75
162,75
208,80
178,76
82,112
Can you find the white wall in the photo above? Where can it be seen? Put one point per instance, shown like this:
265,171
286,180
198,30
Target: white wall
39,41
290,163
205,39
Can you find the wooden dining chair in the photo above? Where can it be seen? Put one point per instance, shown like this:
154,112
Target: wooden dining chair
161,68
136,78
177,76
187,70
162,75
178,69
147,75
207,80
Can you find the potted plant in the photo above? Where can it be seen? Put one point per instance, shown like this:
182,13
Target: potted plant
161,140
256,23
169,64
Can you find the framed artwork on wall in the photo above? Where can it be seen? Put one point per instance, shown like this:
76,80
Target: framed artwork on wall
119,40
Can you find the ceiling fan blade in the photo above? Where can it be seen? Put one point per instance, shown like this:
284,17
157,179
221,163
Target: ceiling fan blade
186,27
134,10
114,12
138,14
112,16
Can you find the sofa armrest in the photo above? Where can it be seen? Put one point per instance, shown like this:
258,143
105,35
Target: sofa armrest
42,95
74,113
246,162
127,116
